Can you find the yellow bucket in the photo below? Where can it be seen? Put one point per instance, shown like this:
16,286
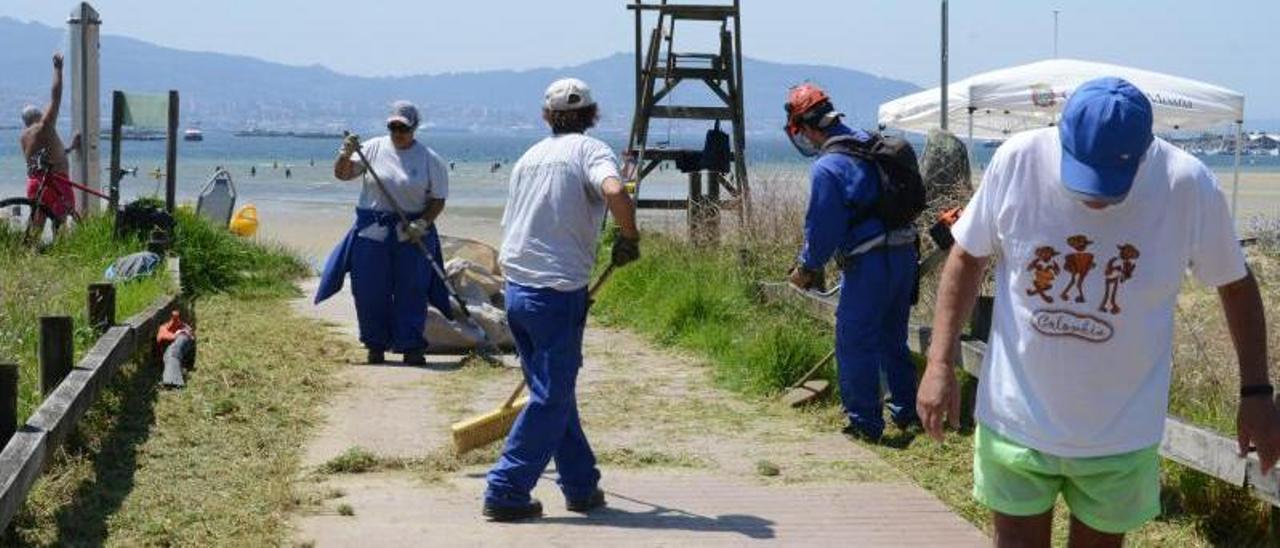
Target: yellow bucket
245,221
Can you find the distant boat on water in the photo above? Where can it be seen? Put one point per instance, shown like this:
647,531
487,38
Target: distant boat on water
295,134
192,134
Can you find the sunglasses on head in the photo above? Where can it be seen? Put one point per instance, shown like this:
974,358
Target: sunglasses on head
399,128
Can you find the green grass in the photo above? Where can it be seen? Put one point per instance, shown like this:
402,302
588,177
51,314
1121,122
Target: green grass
626,457
55,282
213,464
216,261
703,301
355,460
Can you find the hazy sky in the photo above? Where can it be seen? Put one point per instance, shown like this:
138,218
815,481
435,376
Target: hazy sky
1230,43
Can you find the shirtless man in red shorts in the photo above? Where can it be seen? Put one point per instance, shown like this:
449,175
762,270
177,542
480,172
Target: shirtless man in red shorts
41,135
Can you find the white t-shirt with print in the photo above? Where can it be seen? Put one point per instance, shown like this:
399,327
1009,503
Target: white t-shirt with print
1079,358
412,176
555,206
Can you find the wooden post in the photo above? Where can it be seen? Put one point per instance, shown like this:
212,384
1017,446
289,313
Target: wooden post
694,212
113,181
712,212
102,306
171,155
56,351
8,402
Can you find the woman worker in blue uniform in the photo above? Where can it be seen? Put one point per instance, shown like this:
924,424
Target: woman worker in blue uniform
878,266
390,277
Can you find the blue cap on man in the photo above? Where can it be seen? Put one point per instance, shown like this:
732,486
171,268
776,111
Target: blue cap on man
1105,130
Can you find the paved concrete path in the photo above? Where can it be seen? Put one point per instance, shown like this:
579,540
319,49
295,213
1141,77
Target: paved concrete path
683,463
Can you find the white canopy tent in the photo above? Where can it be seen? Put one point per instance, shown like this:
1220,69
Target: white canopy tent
996,104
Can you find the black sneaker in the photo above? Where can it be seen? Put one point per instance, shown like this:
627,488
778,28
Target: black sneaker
596,500
513,513
376,357
853,433
414,357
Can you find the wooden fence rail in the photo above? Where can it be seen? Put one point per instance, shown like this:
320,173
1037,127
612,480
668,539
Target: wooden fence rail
29,451
1196,448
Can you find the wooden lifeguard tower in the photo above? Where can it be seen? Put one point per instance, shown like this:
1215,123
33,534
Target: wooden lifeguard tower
660,68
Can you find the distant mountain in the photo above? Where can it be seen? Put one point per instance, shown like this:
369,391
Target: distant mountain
236,92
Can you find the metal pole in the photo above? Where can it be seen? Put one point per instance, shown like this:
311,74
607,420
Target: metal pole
1055,33
970,151
117,118
171,155
944,65
1235,177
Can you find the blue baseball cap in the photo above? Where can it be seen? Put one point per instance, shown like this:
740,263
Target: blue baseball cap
1105,130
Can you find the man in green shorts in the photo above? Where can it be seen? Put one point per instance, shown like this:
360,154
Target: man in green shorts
1075,384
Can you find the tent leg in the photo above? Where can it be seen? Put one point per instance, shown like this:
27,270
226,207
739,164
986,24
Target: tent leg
1235,177
970,151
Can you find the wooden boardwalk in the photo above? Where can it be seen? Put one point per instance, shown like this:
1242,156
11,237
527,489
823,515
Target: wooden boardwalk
636,399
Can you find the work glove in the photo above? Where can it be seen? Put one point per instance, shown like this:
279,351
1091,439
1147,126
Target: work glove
625,250
350,144
804,278
417,229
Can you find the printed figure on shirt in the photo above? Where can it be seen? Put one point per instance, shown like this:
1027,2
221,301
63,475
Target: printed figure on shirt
1046,271
1119,270
1078,265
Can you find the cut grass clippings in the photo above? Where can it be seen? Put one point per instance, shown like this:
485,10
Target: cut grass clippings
703,300
208,465
212,464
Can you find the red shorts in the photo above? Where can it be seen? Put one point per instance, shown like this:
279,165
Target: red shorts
57,195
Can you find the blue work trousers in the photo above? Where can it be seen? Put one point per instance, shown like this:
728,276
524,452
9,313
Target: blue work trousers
871,337
547,325
389,280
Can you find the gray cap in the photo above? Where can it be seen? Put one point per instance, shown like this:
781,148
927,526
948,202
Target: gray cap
405,113
568,94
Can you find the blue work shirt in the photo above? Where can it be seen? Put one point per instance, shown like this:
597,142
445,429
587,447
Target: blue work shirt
842,192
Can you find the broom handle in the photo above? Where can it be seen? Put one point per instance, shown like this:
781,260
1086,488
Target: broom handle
604,276
815,369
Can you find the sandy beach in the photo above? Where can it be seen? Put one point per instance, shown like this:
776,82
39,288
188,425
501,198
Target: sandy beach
313,230
1259,195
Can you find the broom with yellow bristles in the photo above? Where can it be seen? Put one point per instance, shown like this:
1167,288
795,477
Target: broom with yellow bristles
482,430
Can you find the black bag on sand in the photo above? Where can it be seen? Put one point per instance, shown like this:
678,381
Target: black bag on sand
902,192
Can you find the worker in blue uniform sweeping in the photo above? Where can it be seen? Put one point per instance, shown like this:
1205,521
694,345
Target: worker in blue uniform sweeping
861,205
559,192
391,279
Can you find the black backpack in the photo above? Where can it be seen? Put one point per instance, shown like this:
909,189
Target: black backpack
902,195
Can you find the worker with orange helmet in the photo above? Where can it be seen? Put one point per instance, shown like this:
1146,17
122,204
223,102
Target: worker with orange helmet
878,264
